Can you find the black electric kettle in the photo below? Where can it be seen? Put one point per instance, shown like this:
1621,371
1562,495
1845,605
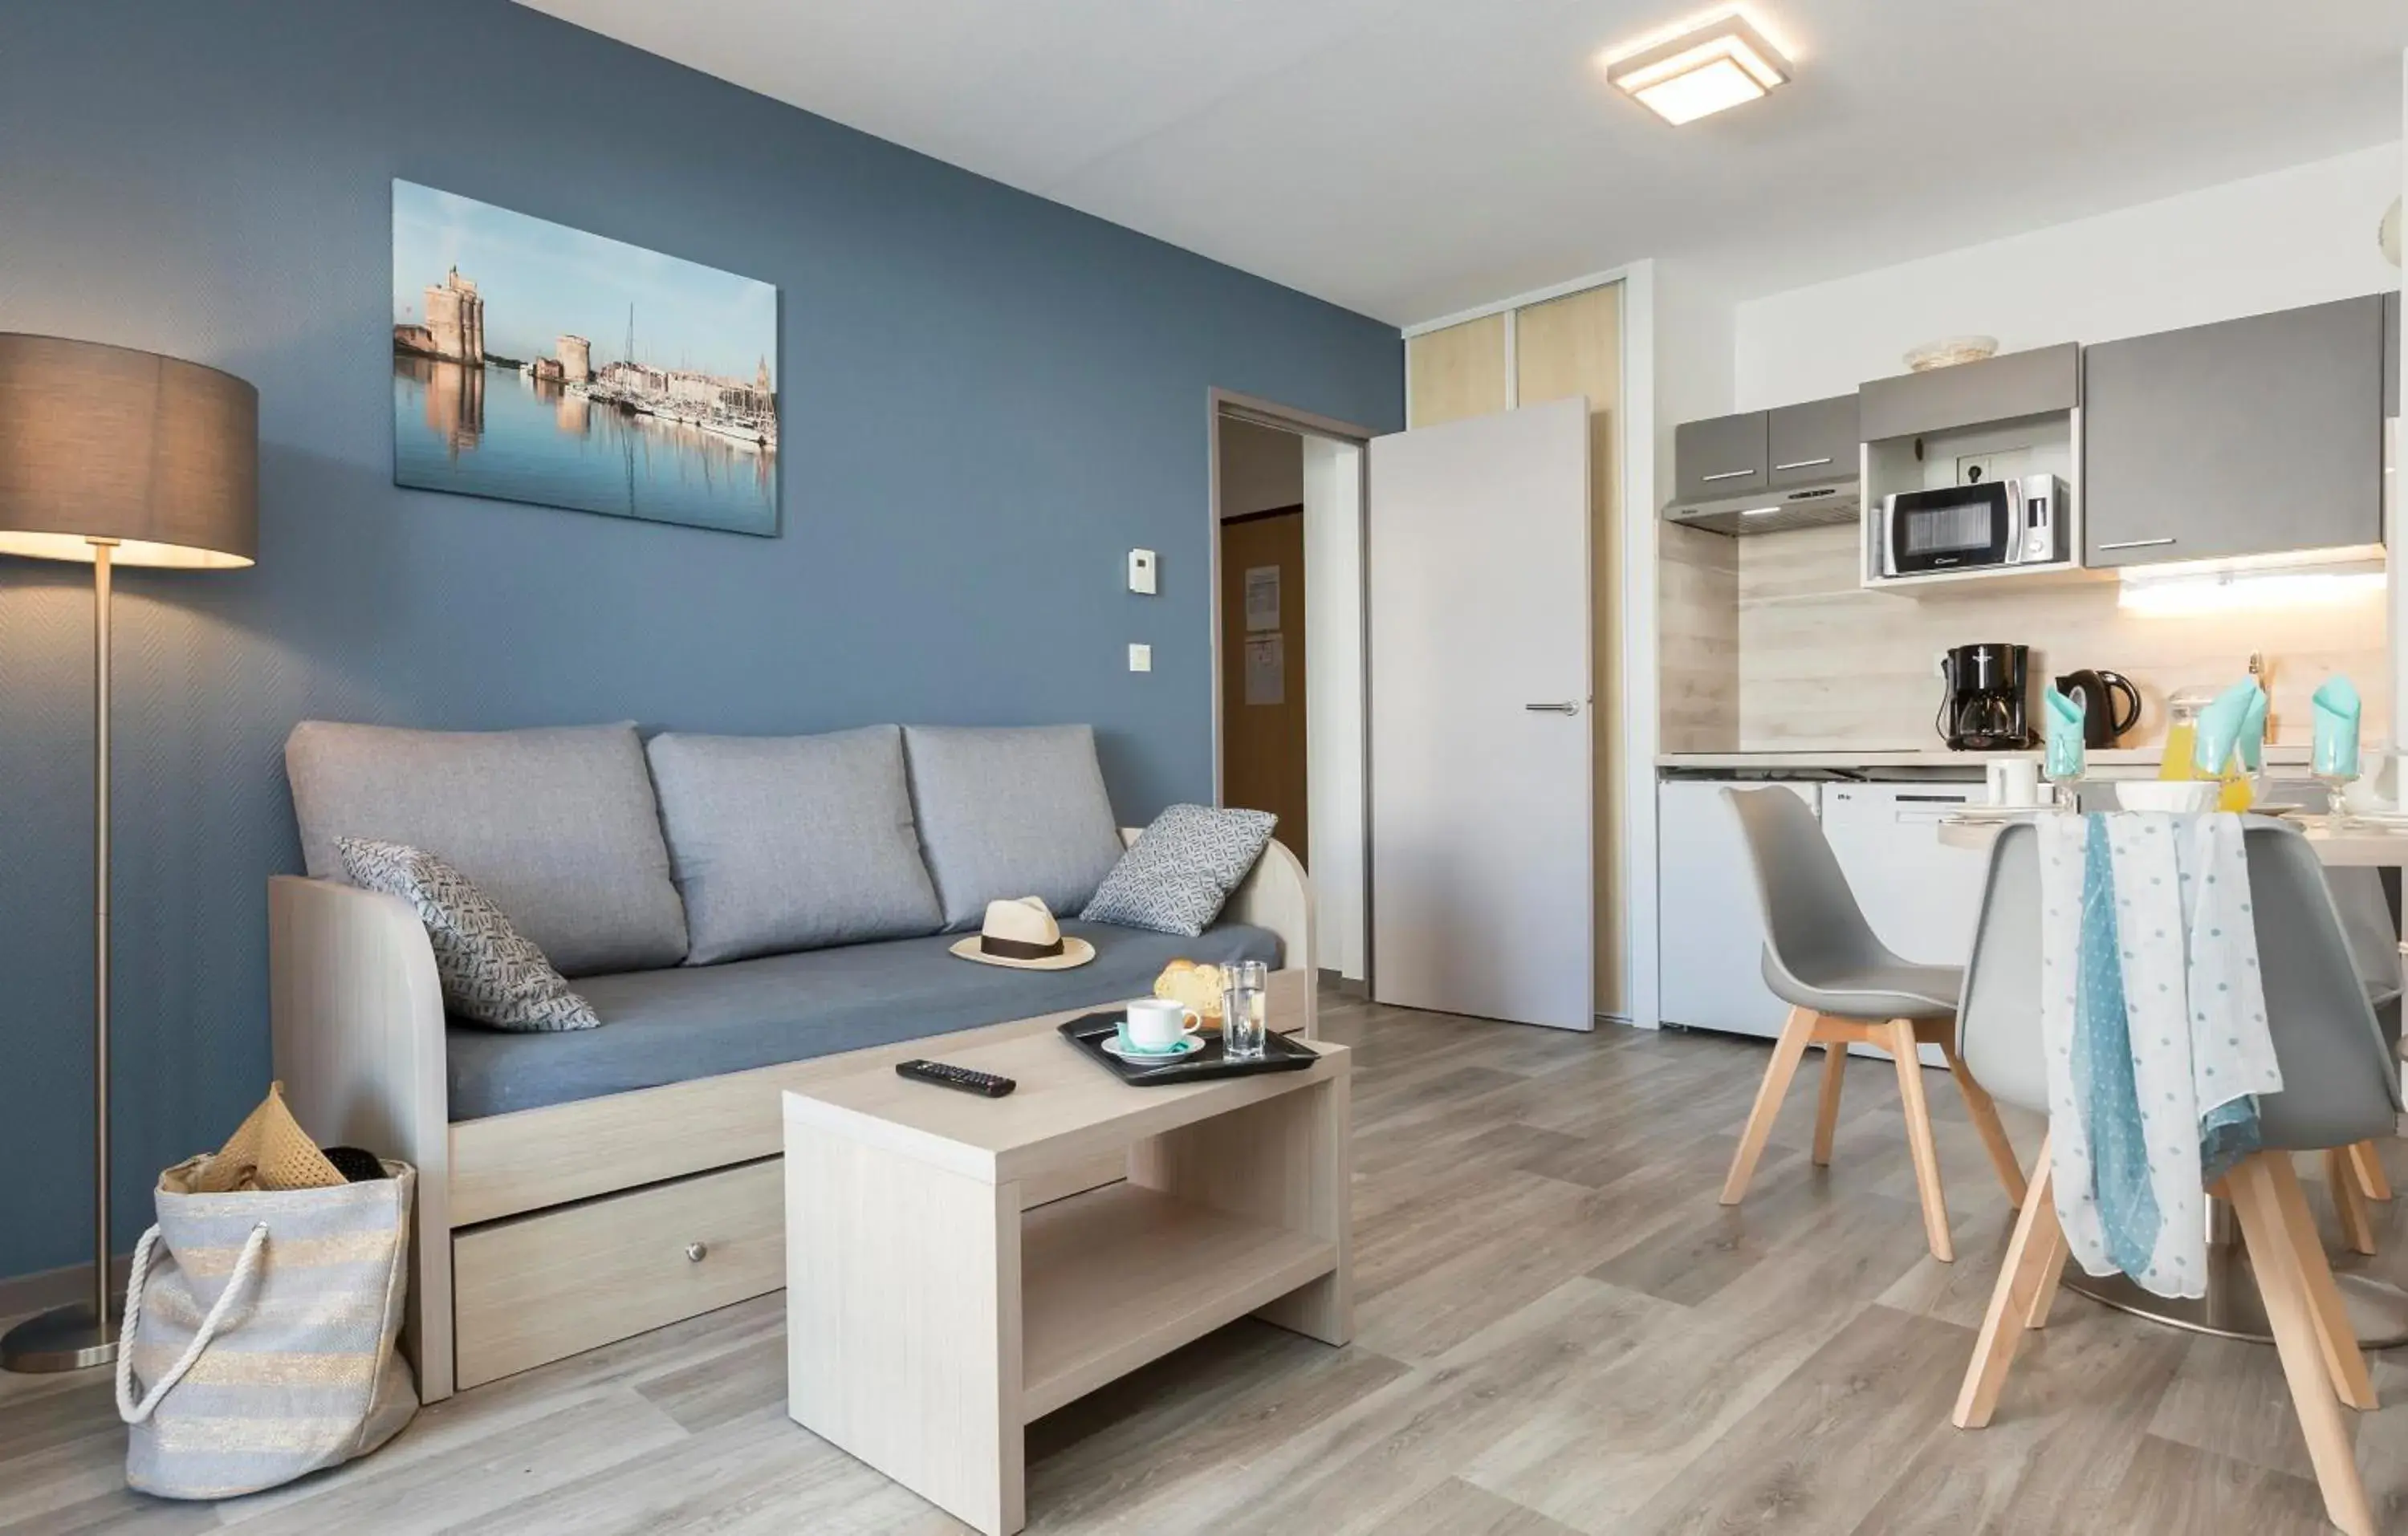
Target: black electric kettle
2102,722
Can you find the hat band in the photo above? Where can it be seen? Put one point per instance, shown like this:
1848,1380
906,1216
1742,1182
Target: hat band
1017,949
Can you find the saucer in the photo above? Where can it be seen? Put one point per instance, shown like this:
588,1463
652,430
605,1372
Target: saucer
1186,1047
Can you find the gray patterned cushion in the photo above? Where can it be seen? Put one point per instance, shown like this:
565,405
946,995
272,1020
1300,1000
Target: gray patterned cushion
491,972
1182,869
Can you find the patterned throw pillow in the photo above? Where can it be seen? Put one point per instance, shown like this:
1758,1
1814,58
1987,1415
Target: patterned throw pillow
491,972
1181,869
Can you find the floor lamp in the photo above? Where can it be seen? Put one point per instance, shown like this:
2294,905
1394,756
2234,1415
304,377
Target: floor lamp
115,457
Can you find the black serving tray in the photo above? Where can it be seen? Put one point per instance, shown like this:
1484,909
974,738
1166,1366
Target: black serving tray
1088,1032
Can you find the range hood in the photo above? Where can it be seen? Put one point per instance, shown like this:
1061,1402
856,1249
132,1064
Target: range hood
1772,512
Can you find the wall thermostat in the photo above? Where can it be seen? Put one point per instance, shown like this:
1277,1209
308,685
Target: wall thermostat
1141,571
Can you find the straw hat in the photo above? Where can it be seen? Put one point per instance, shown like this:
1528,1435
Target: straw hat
1023,935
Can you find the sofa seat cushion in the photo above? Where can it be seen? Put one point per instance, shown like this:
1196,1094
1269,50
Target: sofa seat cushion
794,842
688,1021
1008,812
557,827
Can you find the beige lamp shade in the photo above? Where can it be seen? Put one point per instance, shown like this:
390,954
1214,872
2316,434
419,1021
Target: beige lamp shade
154,455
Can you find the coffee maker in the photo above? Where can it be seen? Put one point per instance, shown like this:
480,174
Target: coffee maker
1983,710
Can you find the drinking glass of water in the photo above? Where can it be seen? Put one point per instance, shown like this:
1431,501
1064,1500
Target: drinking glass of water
1245,1010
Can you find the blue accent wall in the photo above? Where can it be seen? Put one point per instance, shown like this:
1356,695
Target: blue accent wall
988,400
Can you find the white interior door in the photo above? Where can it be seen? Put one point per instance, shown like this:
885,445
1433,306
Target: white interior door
1480,797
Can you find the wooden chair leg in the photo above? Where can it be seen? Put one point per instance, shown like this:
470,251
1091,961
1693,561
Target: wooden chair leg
2052,1270
1795,1036
2349,1200
1827,1109
1918,1139
1985,1120
2343,1360
2367,1164
2021,1280
2273,1250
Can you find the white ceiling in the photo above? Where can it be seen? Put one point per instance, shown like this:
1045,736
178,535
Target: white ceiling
1408,158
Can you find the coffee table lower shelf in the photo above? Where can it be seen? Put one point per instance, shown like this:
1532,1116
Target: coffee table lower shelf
1123,1275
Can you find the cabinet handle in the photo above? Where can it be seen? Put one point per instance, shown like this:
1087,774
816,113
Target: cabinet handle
2133,544
1728,474
697,1252
1553,708
1805,463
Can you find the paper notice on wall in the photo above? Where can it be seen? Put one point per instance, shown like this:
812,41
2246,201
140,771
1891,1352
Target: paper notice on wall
1262,597
1265,665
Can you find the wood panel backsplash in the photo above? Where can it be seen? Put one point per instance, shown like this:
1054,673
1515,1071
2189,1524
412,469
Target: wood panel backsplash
1697,608
1807,659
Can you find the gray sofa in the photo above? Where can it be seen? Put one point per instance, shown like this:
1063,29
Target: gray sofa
744,914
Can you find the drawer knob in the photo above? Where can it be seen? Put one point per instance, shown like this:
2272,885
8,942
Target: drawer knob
697,1252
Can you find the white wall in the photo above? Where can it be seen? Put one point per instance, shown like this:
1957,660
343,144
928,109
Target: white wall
2295,237
2397,535
1331,488
1261,467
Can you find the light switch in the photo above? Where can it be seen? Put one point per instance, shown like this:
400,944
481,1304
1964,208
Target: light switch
1140,658
1141,572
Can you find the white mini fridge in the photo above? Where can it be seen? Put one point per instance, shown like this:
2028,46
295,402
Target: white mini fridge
1921,896
1709,940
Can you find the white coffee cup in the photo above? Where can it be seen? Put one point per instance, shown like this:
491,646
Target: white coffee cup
2014,782
1157,1025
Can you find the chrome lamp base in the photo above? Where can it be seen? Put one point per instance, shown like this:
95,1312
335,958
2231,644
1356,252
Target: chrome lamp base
65,1338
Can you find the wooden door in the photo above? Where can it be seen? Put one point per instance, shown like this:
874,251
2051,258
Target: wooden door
1262,669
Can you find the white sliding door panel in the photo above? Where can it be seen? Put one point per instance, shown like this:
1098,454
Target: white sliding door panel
1479,588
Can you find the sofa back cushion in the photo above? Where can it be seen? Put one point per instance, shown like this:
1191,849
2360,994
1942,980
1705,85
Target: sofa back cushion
557,827
785,843
1010,811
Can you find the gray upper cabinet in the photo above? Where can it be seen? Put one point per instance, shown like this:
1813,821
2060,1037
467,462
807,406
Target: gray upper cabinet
2391,352
1815,442
2040,382
1723,457
2251,437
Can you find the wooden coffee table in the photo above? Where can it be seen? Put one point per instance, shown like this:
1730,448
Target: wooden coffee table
929,1318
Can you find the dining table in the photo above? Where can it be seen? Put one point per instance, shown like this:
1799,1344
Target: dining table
2231,1306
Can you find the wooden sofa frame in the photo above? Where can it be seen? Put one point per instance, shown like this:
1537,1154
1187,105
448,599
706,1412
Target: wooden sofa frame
357,1017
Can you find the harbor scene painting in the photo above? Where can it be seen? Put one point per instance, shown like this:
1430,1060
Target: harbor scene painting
532,361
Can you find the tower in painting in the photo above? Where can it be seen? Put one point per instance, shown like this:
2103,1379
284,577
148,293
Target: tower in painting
455,319
576,357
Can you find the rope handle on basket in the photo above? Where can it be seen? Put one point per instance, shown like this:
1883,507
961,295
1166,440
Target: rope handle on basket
245,1271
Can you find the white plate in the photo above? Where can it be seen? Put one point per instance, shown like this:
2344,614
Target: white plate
1186,1047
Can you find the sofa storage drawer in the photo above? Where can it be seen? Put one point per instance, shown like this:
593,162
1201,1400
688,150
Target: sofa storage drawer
541,1286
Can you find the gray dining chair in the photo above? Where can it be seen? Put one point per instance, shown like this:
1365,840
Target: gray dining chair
2353,1174
2340,1086
1845,987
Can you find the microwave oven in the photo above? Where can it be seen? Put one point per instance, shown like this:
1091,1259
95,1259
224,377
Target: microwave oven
2018,521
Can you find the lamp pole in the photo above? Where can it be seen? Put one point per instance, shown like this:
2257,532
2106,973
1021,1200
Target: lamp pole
104,1348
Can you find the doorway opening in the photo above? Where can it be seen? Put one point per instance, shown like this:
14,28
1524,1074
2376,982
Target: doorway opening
1288,651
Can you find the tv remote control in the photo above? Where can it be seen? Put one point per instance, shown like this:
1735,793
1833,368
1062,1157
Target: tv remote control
986,1084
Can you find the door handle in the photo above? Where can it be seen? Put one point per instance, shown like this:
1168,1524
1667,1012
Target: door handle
2133,544
1805,463
1728,474
1569,707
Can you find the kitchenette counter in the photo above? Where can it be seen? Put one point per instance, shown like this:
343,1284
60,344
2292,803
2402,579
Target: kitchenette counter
1874,760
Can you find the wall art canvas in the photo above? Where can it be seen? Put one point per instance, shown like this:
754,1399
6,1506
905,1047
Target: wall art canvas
532,361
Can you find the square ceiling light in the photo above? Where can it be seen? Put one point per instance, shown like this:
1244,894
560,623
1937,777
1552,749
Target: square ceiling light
1700,70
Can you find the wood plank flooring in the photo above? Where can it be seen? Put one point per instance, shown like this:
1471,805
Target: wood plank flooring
1559,1331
